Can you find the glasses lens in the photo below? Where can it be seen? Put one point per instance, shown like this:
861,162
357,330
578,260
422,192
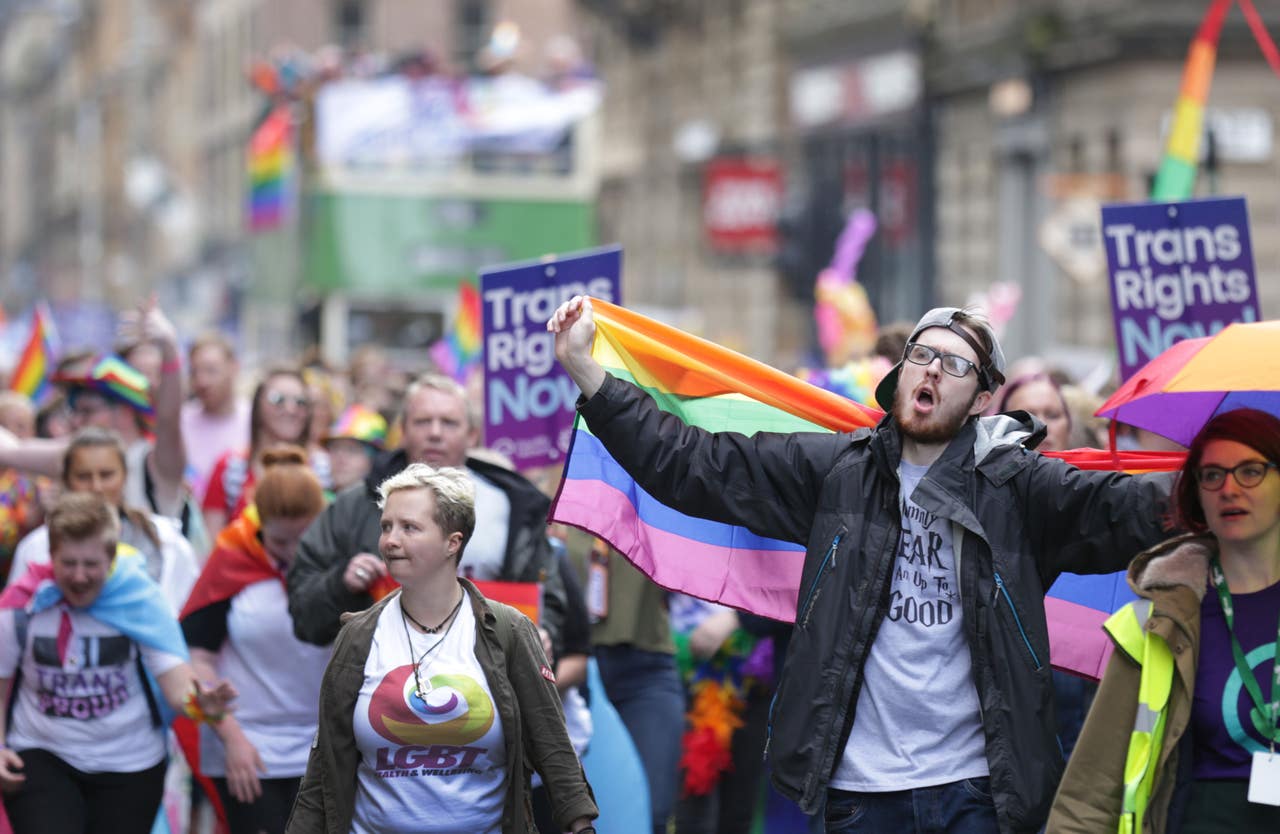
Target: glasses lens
1251,474
920,354
955,365
1211,477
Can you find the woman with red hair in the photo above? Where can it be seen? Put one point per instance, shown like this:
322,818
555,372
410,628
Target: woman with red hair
1197,658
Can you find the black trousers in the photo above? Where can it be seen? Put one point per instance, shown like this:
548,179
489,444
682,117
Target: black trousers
268,813
58,799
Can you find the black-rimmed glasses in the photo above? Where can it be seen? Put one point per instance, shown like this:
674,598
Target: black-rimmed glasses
918,354
1248,474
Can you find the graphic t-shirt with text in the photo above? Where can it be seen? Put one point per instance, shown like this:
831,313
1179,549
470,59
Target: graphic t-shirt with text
430,764
81,705
917,722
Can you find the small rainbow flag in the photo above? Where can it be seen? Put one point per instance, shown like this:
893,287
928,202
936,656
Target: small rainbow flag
459,350
32,374
525,597
271,163
716,389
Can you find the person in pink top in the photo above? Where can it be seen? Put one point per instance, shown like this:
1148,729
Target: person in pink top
214,421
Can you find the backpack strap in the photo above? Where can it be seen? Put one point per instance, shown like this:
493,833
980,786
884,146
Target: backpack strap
21,623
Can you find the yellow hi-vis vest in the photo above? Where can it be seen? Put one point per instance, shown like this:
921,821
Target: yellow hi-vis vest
1128,628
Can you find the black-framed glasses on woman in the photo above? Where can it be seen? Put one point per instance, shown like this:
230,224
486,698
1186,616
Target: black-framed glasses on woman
918,354
1248,474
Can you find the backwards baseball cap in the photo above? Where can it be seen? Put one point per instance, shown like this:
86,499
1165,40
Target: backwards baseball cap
115,379
361,423
991,366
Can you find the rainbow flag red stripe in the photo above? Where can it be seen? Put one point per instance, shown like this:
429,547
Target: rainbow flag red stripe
32,374
717,389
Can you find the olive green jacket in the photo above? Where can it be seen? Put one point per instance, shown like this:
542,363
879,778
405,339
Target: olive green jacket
1174,576
510,653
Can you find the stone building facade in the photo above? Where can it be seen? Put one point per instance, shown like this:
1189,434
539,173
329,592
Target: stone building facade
983,133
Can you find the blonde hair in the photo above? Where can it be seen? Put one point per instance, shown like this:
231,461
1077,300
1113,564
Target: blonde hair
455,496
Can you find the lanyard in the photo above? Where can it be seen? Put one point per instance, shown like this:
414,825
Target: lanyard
1264,714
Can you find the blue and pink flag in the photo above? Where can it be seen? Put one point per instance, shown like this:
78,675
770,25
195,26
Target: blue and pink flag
719,390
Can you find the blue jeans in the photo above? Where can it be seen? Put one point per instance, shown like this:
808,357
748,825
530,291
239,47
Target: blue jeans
645,689
963,807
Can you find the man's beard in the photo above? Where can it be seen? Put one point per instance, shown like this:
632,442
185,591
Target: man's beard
938,427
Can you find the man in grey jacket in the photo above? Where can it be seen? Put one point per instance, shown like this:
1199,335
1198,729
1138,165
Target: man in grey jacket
916,690
337,562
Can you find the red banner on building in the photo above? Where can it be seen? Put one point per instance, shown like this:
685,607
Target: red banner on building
741,198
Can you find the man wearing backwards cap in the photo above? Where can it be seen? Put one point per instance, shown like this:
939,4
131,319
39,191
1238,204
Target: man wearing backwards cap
916,691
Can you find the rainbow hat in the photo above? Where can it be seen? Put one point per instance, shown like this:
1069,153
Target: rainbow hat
115,379
358,422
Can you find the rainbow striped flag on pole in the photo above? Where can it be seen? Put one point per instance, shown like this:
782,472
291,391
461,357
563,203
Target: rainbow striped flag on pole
1176,177
719,390
32,374
271,163
459,350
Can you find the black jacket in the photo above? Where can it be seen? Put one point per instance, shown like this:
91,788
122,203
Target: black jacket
1018,519
351,525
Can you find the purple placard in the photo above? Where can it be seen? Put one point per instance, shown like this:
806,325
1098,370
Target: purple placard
528,398
1178,271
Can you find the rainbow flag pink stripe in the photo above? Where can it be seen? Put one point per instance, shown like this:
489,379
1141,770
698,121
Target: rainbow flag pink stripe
32,374
719,390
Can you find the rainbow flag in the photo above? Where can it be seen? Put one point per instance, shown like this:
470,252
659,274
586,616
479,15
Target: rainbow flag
525,597
32,374
1176,177
271,163
717,389
459,351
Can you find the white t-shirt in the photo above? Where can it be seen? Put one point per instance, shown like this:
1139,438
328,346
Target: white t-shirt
917,722
83,709
435,765
278,678
487,550
174,567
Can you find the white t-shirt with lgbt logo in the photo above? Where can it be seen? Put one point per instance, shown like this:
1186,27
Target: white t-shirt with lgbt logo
917,722
435,764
